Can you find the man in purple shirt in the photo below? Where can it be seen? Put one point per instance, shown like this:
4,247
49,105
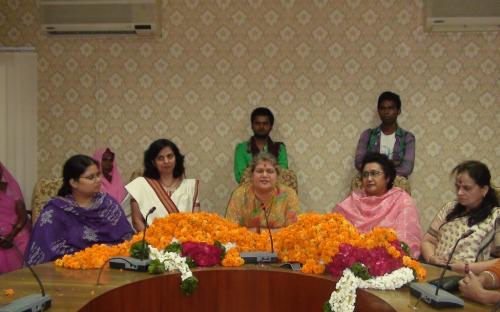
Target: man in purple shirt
388,138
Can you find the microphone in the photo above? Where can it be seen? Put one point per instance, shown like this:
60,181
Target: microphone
262,256
268,229
130,263
431,294
144,233
35,302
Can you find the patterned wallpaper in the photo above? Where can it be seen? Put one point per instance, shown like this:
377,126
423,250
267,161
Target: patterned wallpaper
319,65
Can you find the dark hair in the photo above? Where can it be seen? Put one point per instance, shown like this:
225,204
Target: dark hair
384,162
73,168
480,173
389,96
262,111
153,150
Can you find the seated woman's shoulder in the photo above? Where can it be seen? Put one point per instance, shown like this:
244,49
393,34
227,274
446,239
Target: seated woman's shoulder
286,189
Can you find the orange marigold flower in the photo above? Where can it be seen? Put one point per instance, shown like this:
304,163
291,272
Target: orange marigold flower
313,240
233,259
9,292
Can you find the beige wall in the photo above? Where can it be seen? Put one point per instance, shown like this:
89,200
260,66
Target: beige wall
320,65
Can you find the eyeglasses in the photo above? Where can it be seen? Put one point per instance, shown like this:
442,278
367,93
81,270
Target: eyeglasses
93,177
371,173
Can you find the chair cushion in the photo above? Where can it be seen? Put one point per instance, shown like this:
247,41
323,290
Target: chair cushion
44,190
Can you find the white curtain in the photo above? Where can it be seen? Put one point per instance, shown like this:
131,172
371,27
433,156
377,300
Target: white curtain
18,116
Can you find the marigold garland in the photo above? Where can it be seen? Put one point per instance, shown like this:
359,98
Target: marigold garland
313,240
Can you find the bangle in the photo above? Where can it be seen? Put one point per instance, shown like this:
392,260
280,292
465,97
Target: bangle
493,278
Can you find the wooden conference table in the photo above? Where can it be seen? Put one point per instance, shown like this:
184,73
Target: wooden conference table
248,288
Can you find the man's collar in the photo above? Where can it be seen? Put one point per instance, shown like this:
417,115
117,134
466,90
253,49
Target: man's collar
399,131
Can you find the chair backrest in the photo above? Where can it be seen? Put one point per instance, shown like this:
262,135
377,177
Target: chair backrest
44,190
287,177
137,173
399,181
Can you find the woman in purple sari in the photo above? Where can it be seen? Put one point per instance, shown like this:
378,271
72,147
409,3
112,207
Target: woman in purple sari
79,217
14,230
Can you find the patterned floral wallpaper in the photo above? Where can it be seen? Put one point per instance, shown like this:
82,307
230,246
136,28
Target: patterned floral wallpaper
319,65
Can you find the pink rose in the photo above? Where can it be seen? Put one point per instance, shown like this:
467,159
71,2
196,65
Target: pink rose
203,254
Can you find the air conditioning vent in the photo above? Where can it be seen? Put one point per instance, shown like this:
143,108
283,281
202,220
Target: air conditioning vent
104,17
462,15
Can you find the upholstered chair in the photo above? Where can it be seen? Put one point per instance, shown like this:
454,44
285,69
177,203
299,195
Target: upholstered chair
136,173
44,190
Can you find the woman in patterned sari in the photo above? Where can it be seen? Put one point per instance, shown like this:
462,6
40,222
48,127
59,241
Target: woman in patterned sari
163,186
79,217
476,208
252,202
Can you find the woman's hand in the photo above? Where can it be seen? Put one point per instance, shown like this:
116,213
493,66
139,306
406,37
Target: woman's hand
6,242
458,267
472,288
439,260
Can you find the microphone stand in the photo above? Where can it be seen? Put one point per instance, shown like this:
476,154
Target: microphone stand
430,293
269,230
129,263
144,232
35,302
440,281
262,256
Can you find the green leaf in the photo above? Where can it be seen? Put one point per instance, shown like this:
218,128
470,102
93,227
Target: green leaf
327,307
359,270
156,267
190,262
189,285
174,247
140,251
405,248
222,248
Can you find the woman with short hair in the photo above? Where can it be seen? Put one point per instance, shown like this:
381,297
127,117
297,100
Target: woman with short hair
250,203
380,204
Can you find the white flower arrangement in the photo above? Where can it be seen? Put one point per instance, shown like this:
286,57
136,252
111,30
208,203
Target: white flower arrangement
229,246
343,299
171,261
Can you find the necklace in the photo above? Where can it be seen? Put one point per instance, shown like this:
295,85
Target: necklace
172,186
266,205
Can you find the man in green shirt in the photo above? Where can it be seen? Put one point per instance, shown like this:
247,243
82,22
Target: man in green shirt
262,123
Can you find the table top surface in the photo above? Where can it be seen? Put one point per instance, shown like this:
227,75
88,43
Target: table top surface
72,289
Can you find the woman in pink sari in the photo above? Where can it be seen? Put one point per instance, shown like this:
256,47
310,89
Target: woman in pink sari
112,180
14,230
380,204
